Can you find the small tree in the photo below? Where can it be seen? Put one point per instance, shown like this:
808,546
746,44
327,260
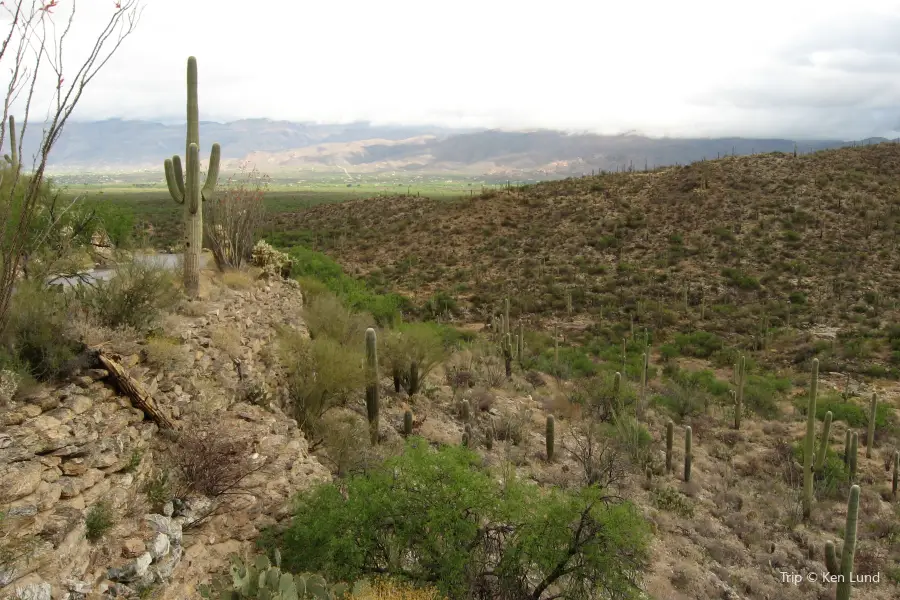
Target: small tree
32,45
434,516
234,216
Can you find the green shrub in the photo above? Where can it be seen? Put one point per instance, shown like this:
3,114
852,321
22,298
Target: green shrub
848,411
321,373
98,521
761,394
430,516
700,344
135,296
385,308
35,341
669,499
326,315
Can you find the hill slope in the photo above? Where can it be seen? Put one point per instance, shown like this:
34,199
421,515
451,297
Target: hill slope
729,246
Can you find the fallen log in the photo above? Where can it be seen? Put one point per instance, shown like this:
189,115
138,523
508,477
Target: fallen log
132,388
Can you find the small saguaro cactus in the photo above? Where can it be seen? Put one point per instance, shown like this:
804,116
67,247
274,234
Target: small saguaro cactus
847,437
185,187
617,389
809,447
844,584
467,436
896,474
823,443
854,451
506,348
870,438
407,422
670,438
687,453
639,413
372,384
489,437
739,378
831,562
551,437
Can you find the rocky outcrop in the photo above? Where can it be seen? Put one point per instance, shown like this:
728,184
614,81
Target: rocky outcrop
65,451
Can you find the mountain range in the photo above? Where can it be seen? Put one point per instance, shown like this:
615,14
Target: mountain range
284,148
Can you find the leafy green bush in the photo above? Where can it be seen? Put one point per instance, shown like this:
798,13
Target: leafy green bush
321,373
435,516
385,308
411,351
135,296
761,394
847,411
669,499
35,341
98,521
699,344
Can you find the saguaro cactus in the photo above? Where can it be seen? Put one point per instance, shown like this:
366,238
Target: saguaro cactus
670,438
847,437
870,438
809,446
407,422
185,187
372,384
823,444
844,585
740,374
687,453
551,437
854,451
896,473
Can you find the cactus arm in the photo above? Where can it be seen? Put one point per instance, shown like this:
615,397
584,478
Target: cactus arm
823,443
831,562
212,174
172,167
193,106
844,585
193,189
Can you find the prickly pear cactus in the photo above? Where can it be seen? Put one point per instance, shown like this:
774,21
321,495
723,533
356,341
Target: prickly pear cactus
262,580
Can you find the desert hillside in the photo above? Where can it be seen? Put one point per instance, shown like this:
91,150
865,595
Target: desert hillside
747,247
599,387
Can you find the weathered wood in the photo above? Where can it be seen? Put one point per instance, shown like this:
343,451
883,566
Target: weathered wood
132,388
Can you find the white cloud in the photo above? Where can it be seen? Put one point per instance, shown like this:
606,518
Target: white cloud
796,68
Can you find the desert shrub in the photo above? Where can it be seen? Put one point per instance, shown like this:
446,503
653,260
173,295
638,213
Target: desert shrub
35,342
411,351
165,353
666,498
513,426
440,304
204,461
634,439
232,217
320,373
573,362
601,460
699,344
384,308
848,411
237,280
135,296
326,315
159,489
581,542
227,339
345,438
98,520
761,394
597,395
683,400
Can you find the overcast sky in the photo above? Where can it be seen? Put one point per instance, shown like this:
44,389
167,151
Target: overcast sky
786,68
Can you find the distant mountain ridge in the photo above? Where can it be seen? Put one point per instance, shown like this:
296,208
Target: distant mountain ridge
117,145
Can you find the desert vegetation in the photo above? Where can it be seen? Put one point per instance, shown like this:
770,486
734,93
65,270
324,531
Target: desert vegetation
674,383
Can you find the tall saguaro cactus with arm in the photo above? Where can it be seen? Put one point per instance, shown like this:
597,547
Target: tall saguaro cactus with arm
185,187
